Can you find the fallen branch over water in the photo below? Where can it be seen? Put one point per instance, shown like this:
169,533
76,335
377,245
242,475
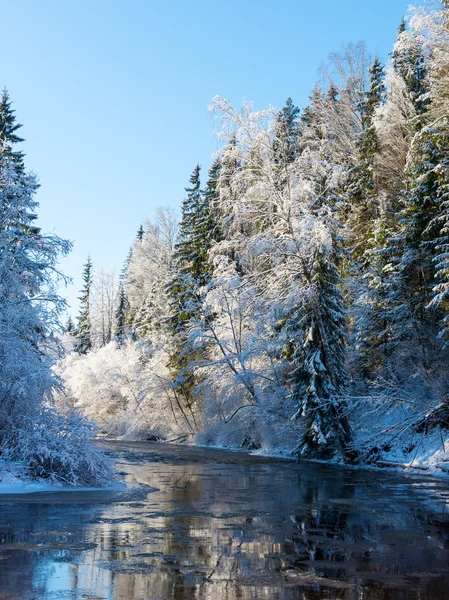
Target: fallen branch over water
183,436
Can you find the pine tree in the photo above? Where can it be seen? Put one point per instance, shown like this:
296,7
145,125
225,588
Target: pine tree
84,329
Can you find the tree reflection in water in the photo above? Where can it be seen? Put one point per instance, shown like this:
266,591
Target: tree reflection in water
225,526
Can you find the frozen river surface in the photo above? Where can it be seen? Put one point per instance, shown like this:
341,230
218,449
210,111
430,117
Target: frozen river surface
197,523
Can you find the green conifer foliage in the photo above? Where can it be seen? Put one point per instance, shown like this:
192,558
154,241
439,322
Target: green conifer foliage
320,374
8,129
285,145
198,230
438,181
409,61
361,193
70,325
120,315
83,331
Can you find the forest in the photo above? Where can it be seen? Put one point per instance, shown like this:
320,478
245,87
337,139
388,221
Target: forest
299,306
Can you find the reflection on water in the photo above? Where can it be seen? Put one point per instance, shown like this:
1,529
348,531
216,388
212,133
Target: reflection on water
224,526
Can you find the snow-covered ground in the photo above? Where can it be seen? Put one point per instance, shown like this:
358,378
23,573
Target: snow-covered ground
428,453
14,480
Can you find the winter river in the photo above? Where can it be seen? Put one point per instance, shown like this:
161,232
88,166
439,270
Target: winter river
197,523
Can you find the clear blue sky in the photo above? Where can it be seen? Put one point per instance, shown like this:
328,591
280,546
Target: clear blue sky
113,95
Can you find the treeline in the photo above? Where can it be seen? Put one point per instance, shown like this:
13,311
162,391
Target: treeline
302,304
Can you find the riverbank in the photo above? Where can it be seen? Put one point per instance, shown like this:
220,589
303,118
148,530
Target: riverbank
427,453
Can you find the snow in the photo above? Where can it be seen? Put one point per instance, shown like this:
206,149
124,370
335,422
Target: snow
430,453
13,481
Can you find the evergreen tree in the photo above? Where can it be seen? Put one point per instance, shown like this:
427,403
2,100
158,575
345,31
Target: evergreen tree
409,60
402,270
128,282
190,269
120,315
84,329
285,143
8,135
436,236
208,231
29,304
361,191
70,325
198,230
320,376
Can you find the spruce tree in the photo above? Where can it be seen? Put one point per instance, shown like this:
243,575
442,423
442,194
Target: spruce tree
285,145
30,307
316,326
70,325
188,258
361,191
192,272
120,315
320,376
208,230
8,135
83,332
436,235
409,60
404,266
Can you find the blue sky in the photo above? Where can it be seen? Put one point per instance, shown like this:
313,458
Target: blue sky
113,95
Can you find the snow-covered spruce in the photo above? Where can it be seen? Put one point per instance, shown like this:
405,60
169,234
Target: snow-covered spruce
45,443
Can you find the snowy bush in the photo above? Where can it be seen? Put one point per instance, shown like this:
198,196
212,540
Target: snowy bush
59,448
125,391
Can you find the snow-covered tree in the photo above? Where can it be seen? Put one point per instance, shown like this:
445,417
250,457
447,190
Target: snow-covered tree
45,443
84,327
295,257
103,305
120,314
148,271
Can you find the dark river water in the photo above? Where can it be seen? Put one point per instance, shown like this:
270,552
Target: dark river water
196,523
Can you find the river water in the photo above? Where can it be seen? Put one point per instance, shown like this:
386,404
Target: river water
197,523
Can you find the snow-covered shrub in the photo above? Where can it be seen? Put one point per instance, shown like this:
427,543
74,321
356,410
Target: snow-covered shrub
59,447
